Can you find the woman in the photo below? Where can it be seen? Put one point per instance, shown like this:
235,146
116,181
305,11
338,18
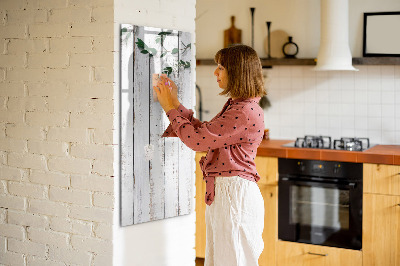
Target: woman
235,207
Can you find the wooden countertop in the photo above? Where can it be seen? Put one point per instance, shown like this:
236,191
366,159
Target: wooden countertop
379,154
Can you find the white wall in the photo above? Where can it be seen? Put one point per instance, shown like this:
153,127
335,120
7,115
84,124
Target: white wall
299,18
338,104
170,241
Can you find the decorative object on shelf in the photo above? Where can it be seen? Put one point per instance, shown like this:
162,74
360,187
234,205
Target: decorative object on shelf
290,49
232,35
378,39
154,171
278,38
269,39
334,51
252,9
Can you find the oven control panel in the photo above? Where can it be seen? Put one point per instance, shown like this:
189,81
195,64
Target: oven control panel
331,169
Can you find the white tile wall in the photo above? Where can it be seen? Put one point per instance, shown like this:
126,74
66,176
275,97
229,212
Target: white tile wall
338,104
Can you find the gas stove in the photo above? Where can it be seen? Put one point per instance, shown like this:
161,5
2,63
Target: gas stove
325,142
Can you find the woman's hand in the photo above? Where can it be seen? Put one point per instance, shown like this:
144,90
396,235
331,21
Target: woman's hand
164,96
174,90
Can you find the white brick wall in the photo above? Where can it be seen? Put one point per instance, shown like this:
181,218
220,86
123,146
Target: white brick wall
56,123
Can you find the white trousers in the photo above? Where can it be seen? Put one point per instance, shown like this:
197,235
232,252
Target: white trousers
234,223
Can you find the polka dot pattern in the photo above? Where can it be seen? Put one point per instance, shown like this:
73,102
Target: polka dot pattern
231,139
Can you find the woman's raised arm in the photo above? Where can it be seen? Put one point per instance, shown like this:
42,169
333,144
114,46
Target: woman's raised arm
188,114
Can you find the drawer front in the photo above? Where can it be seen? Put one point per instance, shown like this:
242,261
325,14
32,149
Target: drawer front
381,179
293,254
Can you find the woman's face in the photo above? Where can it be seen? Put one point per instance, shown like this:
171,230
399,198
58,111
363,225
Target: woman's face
222,76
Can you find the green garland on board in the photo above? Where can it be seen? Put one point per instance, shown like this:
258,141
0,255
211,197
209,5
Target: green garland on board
145,49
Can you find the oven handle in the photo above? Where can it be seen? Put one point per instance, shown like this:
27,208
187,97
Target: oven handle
297,181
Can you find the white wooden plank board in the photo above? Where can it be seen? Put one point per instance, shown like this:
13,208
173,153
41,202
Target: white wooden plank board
127,199
186,155
156,130
142,148
156,173
171,144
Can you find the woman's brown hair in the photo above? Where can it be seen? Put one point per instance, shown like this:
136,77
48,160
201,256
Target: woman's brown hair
245,77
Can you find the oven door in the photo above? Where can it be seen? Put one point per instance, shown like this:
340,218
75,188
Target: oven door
315,211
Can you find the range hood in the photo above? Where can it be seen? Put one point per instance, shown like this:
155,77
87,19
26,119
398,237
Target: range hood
334,51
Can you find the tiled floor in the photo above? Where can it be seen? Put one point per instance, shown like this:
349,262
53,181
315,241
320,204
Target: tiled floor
199,262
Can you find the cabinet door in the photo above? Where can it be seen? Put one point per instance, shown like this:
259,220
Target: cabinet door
381,230
381,179
297,254
270,233
267,168
200,209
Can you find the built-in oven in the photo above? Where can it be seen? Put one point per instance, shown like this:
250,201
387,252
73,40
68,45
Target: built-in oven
320,202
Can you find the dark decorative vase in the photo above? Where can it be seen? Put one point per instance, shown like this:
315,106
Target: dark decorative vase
290,49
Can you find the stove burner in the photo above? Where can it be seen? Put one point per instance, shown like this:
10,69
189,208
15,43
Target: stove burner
351,144
324,142
308,141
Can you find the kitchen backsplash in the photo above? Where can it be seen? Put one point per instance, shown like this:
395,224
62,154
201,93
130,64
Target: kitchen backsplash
337,104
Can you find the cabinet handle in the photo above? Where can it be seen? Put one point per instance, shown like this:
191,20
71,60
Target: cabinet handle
398,204
318,254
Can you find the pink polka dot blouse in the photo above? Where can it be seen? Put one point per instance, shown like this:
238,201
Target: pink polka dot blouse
231,139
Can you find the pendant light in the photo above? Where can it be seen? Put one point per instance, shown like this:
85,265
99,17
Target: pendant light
334,51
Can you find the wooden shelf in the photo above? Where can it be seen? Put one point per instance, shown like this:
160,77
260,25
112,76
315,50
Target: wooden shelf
268,63
312,61
376,61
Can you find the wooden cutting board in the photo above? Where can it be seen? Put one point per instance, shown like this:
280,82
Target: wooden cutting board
232,35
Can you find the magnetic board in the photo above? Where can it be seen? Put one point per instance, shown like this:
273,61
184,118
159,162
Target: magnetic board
156,173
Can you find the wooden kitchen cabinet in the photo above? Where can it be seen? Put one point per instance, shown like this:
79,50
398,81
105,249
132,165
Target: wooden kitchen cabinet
381,215
267,168
381,179
200,209
298,254
381,230
270,233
